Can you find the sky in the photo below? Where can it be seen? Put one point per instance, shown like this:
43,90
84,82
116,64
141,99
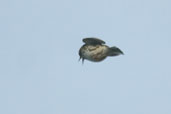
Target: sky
39,68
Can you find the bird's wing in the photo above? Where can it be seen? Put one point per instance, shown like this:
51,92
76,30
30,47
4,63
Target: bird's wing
93,41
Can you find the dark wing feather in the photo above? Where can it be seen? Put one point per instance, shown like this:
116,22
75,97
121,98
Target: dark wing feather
93,41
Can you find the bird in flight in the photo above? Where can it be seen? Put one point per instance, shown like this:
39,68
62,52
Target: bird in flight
94,50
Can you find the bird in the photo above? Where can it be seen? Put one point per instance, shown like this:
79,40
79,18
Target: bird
95,50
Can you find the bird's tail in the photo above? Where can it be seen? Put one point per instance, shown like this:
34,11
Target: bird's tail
114,51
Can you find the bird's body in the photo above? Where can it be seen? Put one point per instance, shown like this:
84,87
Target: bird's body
95,50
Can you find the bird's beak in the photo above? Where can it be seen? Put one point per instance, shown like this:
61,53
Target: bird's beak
82,59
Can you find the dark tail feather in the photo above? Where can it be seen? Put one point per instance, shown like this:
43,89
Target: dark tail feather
114,51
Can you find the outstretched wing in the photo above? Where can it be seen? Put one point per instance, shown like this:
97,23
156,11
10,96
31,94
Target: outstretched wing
93,41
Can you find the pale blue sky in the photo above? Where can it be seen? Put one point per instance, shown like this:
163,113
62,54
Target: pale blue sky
39,68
